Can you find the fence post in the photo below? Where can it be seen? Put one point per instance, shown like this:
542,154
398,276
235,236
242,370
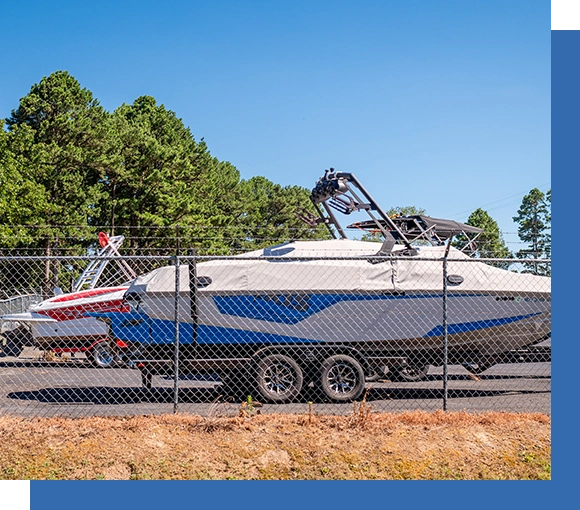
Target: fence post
193,311
445,329
176,348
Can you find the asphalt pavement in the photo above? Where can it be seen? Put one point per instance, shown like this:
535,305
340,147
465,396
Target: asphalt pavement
32,386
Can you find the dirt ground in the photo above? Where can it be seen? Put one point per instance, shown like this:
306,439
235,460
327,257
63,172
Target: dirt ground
364,445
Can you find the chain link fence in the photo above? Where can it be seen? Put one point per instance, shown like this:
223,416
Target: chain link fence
276,330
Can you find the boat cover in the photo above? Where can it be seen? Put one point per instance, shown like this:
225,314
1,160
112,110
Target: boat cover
252,273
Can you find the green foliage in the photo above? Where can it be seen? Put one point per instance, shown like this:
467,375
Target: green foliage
267,214
168,185
490,243
547,234
57,142
58,135
21,199
158,181
68,169
534,218
405,210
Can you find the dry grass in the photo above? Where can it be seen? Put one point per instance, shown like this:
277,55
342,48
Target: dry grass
365,445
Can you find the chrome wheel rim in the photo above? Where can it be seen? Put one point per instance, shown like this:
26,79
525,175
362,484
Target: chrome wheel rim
279,378
103,356
342,378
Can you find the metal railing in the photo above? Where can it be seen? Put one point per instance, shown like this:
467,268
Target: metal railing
16,304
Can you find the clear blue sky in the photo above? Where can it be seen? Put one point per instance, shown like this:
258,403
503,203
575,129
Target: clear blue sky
440,104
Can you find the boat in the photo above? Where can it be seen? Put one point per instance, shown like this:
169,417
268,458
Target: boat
333,313
61,323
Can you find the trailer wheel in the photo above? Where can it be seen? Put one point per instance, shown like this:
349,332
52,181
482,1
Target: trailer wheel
477,368
10,348
146,379
12,342
235,383
342,378
411,373
102,355
279,378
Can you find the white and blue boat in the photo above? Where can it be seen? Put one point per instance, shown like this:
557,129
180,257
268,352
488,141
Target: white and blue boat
334,313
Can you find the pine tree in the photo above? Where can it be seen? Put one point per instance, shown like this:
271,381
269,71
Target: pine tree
490,243
267,214
534,219
59,135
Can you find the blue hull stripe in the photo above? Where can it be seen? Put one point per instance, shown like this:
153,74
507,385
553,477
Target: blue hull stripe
163,333
293,308
464,327
134,327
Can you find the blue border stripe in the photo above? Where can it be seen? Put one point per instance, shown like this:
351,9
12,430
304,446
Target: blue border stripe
293,308
464,327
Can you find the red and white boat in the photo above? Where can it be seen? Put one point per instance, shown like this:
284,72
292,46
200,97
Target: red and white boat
60,323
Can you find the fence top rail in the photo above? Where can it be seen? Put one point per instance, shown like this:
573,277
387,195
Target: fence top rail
19,297
201,258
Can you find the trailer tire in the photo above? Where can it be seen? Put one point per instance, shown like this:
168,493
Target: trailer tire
10,348
12,342
342,378
235,384
477,368
279,378
411,373
102,355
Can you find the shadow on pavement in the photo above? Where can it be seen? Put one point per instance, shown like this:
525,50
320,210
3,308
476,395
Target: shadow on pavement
104,395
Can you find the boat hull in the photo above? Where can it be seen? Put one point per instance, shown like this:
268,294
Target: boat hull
62,322
381,323
74,334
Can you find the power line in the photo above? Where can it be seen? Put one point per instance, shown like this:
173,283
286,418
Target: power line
512,202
